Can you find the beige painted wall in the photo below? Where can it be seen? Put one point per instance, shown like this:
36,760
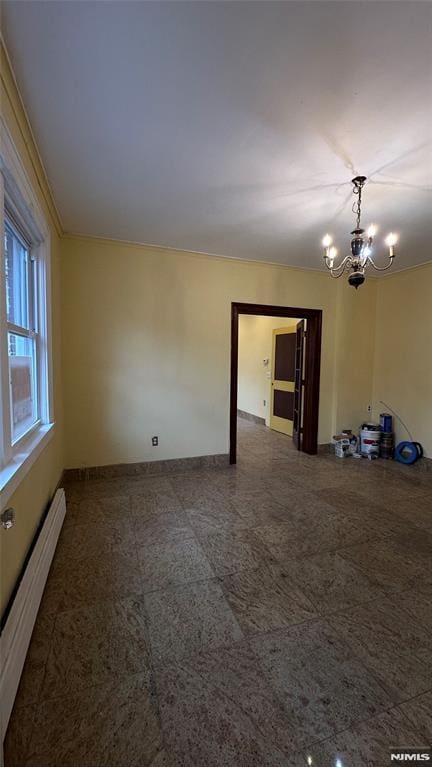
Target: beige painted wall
403,352
147,346
354,353
255,345
35,492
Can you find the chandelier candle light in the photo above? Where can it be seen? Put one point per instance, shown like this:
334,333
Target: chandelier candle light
361,246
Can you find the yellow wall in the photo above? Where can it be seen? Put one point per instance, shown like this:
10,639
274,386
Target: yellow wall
354,353
35,492
147,346
255,344
403,352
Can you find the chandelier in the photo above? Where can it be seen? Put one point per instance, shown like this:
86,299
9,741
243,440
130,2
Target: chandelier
361,245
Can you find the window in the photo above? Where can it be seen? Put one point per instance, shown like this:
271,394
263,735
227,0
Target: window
25,365
22,333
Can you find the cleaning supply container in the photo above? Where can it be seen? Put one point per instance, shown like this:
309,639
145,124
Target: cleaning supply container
342,448
348,434
370,437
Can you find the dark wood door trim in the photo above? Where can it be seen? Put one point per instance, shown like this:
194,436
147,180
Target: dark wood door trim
234,383
299,384
312,368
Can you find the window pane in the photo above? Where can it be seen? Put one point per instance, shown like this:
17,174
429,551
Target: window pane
22,377
17,288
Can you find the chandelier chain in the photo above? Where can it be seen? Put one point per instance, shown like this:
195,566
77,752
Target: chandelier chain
356,208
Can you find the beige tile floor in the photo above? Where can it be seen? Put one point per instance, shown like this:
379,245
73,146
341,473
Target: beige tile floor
274,613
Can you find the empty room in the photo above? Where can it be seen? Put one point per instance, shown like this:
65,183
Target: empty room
215,383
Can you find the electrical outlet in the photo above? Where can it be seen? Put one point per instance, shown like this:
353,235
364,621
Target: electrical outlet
264,402
8,518
155,441
369,408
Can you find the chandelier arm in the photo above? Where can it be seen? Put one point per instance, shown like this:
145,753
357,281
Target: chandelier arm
380,268
345,262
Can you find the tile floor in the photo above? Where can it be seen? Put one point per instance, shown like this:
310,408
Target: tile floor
274,613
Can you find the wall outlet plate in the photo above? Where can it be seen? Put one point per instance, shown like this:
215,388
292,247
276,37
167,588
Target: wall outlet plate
8,518
369,408
155,441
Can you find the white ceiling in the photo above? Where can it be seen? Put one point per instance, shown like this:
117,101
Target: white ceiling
231,128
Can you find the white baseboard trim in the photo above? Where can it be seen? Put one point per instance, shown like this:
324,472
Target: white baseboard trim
15,639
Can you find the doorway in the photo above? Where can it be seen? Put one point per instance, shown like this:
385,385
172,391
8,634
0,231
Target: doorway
306,388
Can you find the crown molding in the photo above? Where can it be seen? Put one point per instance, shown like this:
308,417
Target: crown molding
98,239
13,94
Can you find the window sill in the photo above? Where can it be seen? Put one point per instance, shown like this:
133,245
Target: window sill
14,472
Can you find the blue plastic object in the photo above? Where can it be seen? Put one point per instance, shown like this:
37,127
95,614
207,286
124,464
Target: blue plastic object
408,452
386,422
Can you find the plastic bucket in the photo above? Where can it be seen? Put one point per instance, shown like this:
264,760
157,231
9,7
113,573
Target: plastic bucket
370,441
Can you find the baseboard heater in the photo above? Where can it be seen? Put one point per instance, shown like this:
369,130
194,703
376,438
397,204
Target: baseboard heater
16,635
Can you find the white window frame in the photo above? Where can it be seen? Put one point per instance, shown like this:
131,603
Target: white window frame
17,195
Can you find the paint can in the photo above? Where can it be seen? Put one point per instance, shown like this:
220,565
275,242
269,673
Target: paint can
370,436
386,423
386,445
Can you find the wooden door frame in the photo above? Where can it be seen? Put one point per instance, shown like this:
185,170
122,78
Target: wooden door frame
312,368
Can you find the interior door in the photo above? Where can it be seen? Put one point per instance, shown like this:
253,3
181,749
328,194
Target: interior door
283,380
298,384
